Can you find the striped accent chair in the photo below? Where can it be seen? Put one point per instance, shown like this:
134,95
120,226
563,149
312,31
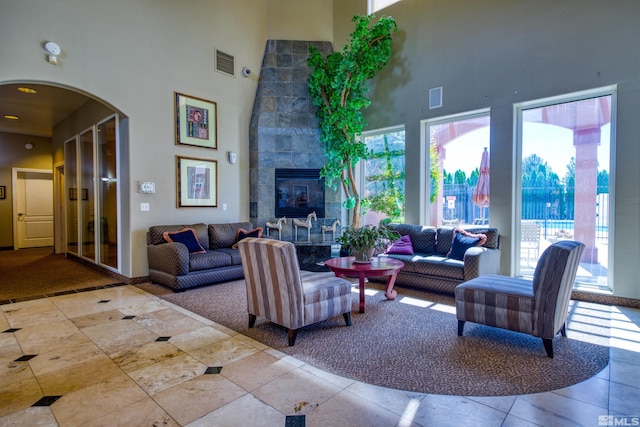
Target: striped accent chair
280,292
539,307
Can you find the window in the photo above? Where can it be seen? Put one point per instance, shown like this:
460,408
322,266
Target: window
382,175
458,181
376,5
565,145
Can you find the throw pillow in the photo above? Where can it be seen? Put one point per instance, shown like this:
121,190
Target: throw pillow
401,246
187,237
242,233
463,240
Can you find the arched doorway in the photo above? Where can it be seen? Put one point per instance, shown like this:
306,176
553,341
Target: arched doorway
48,115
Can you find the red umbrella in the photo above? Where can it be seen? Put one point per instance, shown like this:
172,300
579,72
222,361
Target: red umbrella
481,193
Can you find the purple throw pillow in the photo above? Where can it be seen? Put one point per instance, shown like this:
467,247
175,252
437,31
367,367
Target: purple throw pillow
402,246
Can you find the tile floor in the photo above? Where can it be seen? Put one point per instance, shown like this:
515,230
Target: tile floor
120,356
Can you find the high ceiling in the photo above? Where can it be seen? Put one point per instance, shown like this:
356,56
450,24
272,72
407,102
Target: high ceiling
38,112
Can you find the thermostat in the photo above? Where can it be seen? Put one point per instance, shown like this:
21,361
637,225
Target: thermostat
147,187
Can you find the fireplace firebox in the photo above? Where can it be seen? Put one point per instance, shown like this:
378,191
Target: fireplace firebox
299,192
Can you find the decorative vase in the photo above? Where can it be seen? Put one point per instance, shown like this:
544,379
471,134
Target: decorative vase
363,255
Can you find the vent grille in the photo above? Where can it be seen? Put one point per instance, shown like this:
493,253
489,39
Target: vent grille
225,63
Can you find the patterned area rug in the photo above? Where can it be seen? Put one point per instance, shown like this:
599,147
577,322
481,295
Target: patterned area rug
412,344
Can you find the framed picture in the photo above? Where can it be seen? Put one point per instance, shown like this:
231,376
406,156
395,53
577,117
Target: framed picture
3,191
85,194
197,182
196,121
73,194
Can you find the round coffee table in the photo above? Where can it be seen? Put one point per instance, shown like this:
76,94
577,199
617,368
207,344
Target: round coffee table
346,267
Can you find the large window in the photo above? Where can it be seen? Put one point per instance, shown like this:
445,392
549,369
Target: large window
376,5
383,175
458,162
565,146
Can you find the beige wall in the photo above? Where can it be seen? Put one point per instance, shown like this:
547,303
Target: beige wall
493,54
15,155
300,20
132,56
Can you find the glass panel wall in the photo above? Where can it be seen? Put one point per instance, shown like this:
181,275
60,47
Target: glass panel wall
86,198
383,175
565,194
71,187
458,162
108,193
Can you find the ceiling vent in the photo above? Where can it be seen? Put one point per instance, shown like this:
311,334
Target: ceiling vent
225,63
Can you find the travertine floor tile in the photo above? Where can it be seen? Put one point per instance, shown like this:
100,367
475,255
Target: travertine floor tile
197,397
197,338
145,412
222,353
118,336
148,354
551,409
91,403
256,370
19,395
168,373
440,410
78,376
242,412
32,416
167,322
296,392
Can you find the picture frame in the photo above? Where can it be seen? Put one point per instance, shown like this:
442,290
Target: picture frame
196,182
73,194
85,194
196,121
3,191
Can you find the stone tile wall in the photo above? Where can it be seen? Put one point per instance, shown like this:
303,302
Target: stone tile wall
284,131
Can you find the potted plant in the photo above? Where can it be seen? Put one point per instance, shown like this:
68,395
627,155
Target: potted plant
337,86
362,242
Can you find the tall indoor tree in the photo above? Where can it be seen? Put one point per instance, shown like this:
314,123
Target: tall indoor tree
337,85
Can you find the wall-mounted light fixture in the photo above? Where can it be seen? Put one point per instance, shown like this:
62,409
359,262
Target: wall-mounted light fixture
232,157
53,50
29,146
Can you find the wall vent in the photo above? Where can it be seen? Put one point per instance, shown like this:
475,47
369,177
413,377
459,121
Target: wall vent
225,63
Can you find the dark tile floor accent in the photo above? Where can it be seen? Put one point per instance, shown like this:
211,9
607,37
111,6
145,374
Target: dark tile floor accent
46,401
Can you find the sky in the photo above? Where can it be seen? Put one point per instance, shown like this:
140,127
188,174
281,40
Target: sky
552,143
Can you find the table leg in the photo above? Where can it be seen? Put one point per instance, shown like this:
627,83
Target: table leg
389,292
361,288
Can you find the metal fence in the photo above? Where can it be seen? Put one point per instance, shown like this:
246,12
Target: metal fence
550,208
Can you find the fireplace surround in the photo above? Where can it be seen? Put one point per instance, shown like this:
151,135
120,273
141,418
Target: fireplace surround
284,134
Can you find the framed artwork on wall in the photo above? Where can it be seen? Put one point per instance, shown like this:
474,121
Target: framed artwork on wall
197,182
196,121
3,191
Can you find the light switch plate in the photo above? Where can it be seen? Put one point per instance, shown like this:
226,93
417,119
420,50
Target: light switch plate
144,207
147,187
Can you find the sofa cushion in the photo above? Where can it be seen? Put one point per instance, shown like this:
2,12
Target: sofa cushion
187,237
423,238
439,266
491,233
224,235
156,233
242,234
462,241
209,260
402,246
233,253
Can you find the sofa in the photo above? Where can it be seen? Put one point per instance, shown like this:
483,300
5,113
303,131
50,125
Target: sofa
174,265
431,269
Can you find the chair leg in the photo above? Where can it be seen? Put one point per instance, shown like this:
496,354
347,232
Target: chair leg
252,320
460,327
548,346
292,336
347,318
563,331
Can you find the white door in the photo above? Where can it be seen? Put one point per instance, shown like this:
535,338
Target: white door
33,209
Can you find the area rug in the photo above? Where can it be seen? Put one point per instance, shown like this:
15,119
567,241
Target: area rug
412,344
